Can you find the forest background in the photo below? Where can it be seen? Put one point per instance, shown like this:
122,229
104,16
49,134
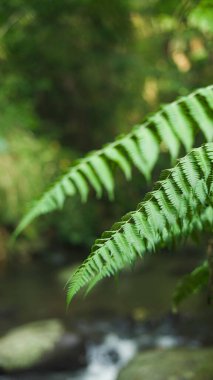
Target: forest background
73,76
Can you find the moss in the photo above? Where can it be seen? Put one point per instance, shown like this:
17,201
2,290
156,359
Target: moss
24,346
178,364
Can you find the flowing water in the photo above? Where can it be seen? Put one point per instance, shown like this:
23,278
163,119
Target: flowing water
116,320
104,360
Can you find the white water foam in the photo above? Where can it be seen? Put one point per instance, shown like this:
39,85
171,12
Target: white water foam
106,359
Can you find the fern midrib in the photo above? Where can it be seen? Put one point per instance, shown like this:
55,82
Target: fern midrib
119,230
57,192
131,134
87,275
100,152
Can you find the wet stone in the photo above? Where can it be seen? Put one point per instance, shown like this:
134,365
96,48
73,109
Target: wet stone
39,347
176,364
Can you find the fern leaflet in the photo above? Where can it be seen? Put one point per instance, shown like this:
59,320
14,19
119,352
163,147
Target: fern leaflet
191,284
180,203
175,125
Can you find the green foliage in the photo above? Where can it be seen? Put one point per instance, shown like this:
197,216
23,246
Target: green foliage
175,208
16,114
90,69
73,61
22,177
76,225
174,127
191,284
202,16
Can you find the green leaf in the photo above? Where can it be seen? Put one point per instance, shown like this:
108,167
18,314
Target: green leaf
183,197
103,171
191,284
176,124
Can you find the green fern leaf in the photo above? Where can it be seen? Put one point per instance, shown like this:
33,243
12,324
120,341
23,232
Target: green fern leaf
191,284
103,171
167,135
68,186
81,185
151,221
174,125
92,178
133,151
180,124
114,154
201,117
207,95
149,146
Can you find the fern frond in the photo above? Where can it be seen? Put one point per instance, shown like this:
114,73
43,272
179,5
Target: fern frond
191,284
180,203
175,125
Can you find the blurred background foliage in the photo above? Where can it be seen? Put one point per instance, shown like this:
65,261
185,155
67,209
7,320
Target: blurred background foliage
74,74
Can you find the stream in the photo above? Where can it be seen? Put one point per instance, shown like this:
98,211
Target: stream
106,358
117,320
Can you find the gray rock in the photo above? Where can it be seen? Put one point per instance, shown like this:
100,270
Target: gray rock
177,364
41,346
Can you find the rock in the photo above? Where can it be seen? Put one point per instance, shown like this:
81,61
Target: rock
177,364
69,354
41,346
